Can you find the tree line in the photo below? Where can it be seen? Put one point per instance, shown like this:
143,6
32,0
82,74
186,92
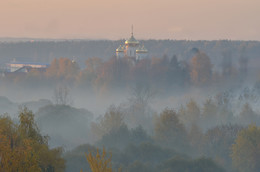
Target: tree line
114,75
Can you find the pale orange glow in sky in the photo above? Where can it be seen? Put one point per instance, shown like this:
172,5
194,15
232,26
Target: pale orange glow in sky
112,19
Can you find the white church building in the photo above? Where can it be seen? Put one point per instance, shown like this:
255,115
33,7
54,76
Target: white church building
132,49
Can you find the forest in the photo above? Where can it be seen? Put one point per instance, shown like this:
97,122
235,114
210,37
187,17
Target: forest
191,106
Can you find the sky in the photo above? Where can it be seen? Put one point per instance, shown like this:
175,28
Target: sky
112,19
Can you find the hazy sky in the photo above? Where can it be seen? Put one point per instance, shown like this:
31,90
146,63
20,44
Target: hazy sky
112,19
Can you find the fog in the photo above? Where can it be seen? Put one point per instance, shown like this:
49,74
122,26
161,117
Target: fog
170,103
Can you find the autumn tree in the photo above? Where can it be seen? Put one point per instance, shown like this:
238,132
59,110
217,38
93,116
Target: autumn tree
52,70
246,150
48,159
16,154
88,76
190,115
63,68
112,75
201,69
23,148
100,162
112,120
217,141
169,131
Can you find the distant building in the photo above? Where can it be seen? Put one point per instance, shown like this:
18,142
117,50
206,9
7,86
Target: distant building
25,67
132,49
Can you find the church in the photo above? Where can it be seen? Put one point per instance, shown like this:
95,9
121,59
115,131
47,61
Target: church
132,49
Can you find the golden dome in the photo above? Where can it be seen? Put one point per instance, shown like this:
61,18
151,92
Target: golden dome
120,49
132,41
141,49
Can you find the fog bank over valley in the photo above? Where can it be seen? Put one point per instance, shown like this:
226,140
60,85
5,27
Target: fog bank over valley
183,105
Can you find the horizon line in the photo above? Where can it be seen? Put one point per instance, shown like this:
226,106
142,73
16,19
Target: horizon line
31,39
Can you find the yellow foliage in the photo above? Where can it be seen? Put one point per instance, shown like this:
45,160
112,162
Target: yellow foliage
99,163
246,150
23,148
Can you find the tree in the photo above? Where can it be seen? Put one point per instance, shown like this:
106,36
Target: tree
226,63
243,64
195,137
63,68
169,131
62,95
175,75
209,114
88,76
146,153
225,114
137,110
246,150
121,137
142,94
100,162
93,64
23,148
112,120
201,69
217,141
247,115
51,72
190,115
16,154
